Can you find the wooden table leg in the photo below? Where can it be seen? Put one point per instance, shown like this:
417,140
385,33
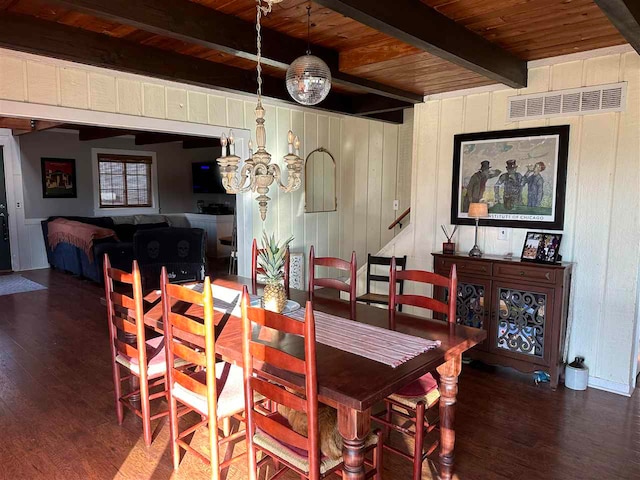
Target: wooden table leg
449,372
354,427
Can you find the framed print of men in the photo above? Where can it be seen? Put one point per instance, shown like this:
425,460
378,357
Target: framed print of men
516,197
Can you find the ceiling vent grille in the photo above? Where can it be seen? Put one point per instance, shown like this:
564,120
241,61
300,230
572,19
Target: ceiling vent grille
577,101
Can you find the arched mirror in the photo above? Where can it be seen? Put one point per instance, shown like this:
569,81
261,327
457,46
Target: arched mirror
320,182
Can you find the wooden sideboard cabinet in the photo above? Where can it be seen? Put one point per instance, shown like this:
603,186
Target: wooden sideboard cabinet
523,307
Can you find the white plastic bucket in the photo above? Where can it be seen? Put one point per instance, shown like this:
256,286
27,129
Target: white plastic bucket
576,378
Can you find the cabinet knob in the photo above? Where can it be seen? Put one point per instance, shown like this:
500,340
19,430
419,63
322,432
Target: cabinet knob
547,276
521,273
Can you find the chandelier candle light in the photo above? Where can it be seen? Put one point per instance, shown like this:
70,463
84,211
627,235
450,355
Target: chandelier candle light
258,173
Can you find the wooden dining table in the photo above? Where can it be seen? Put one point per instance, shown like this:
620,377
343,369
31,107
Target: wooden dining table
348,382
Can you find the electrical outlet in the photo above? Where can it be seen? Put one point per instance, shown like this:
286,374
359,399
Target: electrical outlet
396,204
503,234
18,205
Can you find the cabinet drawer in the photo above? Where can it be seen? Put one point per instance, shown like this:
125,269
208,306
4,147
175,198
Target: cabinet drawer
443,266
527,272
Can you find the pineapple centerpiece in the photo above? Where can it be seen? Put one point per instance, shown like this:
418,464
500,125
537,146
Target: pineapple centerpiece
271,259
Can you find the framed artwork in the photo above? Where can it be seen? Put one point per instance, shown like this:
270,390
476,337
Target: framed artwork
520,174
541,247
58,178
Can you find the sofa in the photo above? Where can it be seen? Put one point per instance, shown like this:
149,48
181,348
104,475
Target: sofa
120,248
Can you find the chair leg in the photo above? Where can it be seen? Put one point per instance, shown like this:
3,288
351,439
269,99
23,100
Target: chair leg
419,441
214,448
117,386
226,426
386,430
145,407
173,429
252,461
377,457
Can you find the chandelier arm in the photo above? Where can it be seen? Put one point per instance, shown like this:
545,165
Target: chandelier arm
245,181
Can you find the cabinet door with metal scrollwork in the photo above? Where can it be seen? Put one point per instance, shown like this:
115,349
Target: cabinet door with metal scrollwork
520,324
472,304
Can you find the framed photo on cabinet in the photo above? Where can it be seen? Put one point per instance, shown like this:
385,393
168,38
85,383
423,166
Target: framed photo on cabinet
521,175
541,247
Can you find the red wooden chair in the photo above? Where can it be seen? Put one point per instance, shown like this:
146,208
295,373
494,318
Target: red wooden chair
417,398
130,349
270,432
214,391
333,262
255,269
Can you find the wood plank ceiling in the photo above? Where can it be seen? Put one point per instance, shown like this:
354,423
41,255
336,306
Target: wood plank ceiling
376,74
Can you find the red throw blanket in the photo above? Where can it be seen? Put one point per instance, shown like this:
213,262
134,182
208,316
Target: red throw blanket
78,234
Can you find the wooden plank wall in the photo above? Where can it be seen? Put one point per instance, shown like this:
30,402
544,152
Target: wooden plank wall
602,224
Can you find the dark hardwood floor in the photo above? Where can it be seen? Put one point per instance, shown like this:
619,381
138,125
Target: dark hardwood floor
57,419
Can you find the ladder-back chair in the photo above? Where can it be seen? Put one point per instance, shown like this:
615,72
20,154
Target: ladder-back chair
130,349
270,432
415,402
214,391
374,276
333,262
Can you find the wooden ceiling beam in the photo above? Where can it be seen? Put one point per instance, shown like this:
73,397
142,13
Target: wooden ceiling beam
200,25
41,37
152,138
414,23
88,134
22,126
625,16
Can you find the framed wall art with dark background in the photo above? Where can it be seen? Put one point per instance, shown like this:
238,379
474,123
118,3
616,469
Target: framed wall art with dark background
521,175
58,177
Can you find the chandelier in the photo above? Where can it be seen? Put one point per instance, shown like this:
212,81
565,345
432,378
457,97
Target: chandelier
308,77
258,173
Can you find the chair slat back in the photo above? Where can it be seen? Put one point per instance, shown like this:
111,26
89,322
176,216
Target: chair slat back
332,262
125,312
261,349
374,260
422,301
256,269
182,307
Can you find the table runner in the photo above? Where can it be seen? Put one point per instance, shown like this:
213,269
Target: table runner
379,344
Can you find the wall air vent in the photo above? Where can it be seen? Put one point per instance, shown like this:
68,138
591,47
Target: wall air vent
576,101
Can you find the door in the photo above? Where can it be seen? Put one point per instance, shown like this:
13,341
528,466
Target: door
472,304
5,251
521,324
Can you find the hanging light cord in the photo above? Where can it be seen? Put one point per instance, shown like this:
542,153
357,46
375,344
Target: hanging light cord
308,29
260,11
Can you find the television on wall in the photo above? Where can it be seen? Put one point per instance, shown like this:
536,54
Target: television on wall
206,178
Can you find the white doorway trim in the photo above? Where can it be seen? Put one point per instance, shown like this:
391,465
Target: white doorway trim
635,368
13,187
10,108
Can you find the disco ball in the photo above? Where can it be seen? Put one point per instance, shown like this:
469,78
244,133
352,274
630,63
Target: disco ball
308,80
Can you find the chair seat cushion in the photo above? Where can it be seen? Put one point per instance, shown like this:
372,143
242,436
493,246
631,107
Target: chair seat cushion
424,389
156,365
297,457
374,298
229,388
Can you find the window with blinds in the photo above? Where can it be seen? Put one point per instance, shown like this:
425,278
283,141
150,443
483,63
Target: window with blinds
125,180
